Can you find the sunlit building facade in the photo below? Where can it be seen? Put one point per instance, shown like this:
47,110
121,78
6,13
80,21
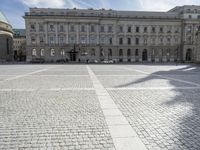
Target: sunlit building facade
80,35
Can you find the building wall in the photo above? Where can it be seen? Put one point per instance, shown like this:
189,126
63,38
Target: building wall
5,47
163,36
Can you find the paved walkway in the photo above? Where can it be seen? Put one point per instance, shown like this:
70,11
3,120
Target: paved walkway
107,107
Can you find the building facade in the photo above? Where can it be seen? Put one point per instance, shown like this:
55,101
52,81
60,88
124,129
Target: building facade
19,44
6,39
122,36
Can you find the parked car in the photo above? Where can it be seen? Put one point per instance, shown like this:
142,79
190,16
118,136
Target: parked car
38,60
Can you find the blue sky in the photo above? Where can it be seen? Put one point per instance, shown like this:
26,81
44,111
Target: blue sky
14,9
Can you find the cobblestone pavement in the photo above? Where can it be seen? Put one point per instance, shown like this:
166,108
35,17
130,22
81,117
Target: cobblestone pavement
56,106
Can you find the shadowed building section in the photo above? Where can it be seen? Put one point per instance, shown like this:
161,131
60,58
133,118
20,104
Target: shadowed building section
6,39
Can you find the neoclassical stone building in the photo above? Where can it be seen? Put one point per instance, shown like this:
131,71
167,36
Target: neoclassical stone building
122,36
6,39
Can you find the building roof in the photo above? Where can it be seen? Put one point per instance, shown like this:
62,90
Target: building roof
3,18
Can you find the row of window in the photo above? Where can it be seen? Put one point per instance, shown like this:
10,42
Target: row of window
83,40
93,28
93,52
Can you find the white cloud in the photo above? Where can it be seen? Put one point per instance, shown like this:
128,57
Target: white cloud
44,3
164,5
53,3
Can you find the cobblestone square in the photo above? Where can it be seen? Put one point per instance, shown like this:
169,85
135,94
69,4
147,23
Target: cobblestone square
100,107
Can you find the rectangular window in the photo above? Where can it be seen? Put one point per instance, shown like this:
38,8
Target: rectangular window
102,29
137,30
41,39
145,29
121,29
72,28
61,40
61,28
51,39
153,29
33,40
137,41
110,29
110,41
161,29
82,28
83,40
41,29
92,29
129,41
120,41
32,27
51,27
129,30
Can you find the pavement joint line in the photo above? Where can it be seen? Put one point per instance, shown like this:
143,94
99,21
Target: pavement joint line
57,75
123,75
162,76
27,74
53,89
154,88
126,140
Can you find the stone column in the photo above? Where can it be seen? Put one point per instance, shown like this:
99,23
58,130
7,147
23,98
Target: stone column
97,33
115,34
67,33
46,33
77,34
88,32
56,27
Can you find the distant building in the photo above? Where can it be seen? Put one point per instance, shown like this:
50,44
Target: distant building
19,44
6,39
122,36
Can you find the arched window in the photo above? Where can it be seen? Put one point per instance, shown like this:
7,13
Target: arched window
136,52
52,52
34,53
144,55
120,52
101,52
93,52
110,52
62,52
128,52
42,52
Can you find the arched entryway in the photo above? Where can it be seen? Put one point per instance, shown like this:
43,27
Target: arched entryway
120,55
144,55
189,55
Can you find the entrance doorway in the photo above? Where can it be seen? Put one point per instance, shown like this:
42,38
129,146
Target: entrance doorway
144,55
72,56
189,55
